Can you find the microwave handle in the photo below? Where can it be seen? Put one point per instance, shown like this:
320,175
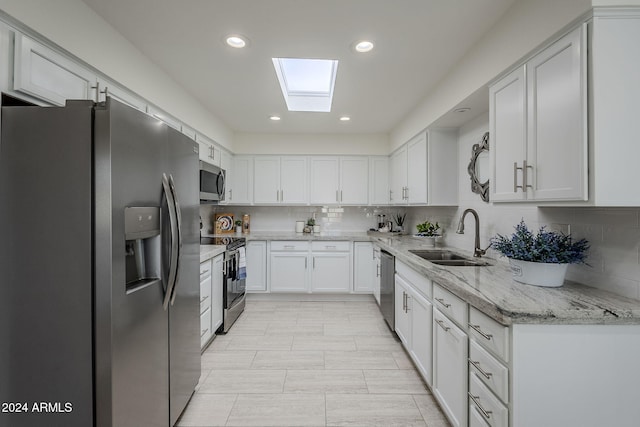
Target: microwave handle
221,190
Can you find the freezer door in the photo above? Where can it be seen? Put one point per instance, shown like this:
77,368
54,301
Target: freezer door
184,309
45,267
132,361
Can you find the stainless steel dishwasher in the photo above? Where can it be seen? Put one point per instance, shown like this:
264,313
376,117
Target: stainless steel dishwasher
387,287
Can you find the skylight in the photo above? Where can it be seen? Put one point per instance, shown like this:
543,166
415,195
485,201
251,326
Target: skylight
307,84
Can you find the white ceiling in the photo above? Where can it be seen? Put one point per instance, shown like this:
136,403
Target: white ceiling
417,41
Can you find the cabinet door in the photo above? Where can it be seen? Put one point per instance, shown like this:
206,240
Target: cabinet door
354,180
402,300
204,152
421,312
557,120
266,179
363,267
325,180
379,181
293,180
226,163
256,266
216,293
398,172
109,88
240,187
205,327
208,151
331,272
450,353
416,191
443,169
507,115
47,75
288,271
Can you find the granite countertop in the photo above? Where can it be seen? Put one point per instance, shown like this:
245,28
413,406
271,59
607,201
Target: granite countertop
492,290
353,236
210,251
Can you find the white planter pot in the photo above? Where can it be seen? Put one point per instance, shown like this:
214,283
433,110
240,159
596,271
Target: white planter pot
538,273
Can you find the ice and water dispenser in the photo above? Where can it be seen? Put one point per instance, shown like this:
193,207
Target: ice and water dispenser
143,256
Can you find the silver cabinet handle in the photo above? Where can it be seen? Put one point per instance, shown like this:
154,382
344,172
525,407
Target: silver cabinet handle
314,262
441,323
485,413
330,246
204,272
478,330
476,365
441,301
305,263
407,309
204,299
230,194
404,301
515,177
289,247
390,195
377,270
341,195
204,332
525,175
337,198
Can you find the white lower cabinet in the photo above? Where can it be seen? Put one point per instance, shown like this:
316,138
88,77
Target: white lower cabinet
376,273
289,271
364,269
210,298
413,317
482,401
330,272
450,368
256,266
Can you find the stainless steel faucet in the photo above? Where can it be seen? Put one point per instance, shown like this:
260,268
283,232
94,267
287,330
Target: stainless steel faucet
477,251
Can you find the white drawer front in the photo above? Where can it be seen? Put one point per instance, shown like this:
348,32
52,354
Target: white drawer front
319,246
476,419
418,281
205,327
205,294
451,305
293,245
487,368
489,407
490,333
205,270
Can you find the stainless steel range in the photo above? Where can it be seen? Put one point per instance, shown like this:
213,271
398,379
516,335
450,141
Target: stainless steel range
234,281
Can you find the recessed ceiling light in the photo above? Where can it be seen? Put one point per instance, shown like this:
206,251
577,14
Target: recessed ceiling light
364,46
345,118
236,41
274,118
462,110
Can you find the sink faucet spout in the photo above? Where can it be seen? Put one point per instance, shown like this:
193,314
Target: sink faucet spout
477,251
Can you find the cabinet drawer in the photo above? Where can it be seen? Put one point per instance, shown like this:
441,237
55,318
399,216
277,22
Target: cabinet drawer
451,305
319,246
487,368
205,327
205,294
489,407
205,270
420,282
289,246
491,334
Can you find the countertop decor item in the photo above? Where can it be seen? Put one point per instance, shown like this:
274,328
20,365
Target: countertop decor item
540,259
399,219
429,231
223,223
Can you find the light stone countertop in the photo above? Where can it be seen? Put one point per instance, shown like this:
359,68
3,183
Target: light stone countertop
492,290
210,251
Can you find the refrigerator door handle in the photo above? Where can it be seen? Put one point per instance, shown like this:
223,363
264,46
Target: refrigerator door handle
173,262
179,223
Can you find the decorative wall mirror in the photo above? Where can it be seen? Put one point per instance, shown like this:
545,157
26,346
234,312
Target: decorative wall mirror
479,168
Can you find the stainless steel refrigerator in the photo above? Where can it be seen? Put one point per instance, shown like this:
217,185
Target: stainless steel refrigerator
99,276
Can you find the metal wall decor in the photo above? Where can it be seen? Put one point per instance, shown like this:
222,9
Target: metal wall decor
479,168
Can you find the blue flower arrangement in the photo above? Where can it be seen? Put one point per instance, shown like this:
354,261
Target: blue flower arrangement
546,246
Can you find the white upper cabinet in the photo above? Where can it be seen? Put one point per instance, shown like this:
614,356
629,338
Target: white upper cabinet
379,180
340,180
538,126
47,75
209,152
106,88
424,171
240,183
280,180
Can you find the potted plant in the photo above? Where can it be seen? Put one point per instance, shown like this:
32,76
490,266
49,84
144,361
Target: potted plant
238,224
540,259
399,219
429,231
313,227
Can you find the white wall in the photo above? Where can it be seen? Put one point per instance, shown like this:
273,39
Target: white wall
75,27
526,25
367,144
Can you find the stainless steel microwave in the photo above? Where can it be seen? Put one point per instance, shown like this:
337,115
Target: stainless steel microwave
212,183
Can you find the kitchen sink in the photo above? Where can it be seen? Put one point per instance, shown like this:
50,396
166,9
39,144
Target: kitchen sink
448,258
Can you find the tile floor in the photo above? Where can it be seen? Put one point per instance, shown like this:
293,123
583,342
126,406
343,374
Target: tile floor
310,364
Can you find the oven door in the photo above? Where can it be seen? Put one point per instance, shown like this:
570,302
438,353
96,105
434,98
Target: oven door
212,183
234,287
